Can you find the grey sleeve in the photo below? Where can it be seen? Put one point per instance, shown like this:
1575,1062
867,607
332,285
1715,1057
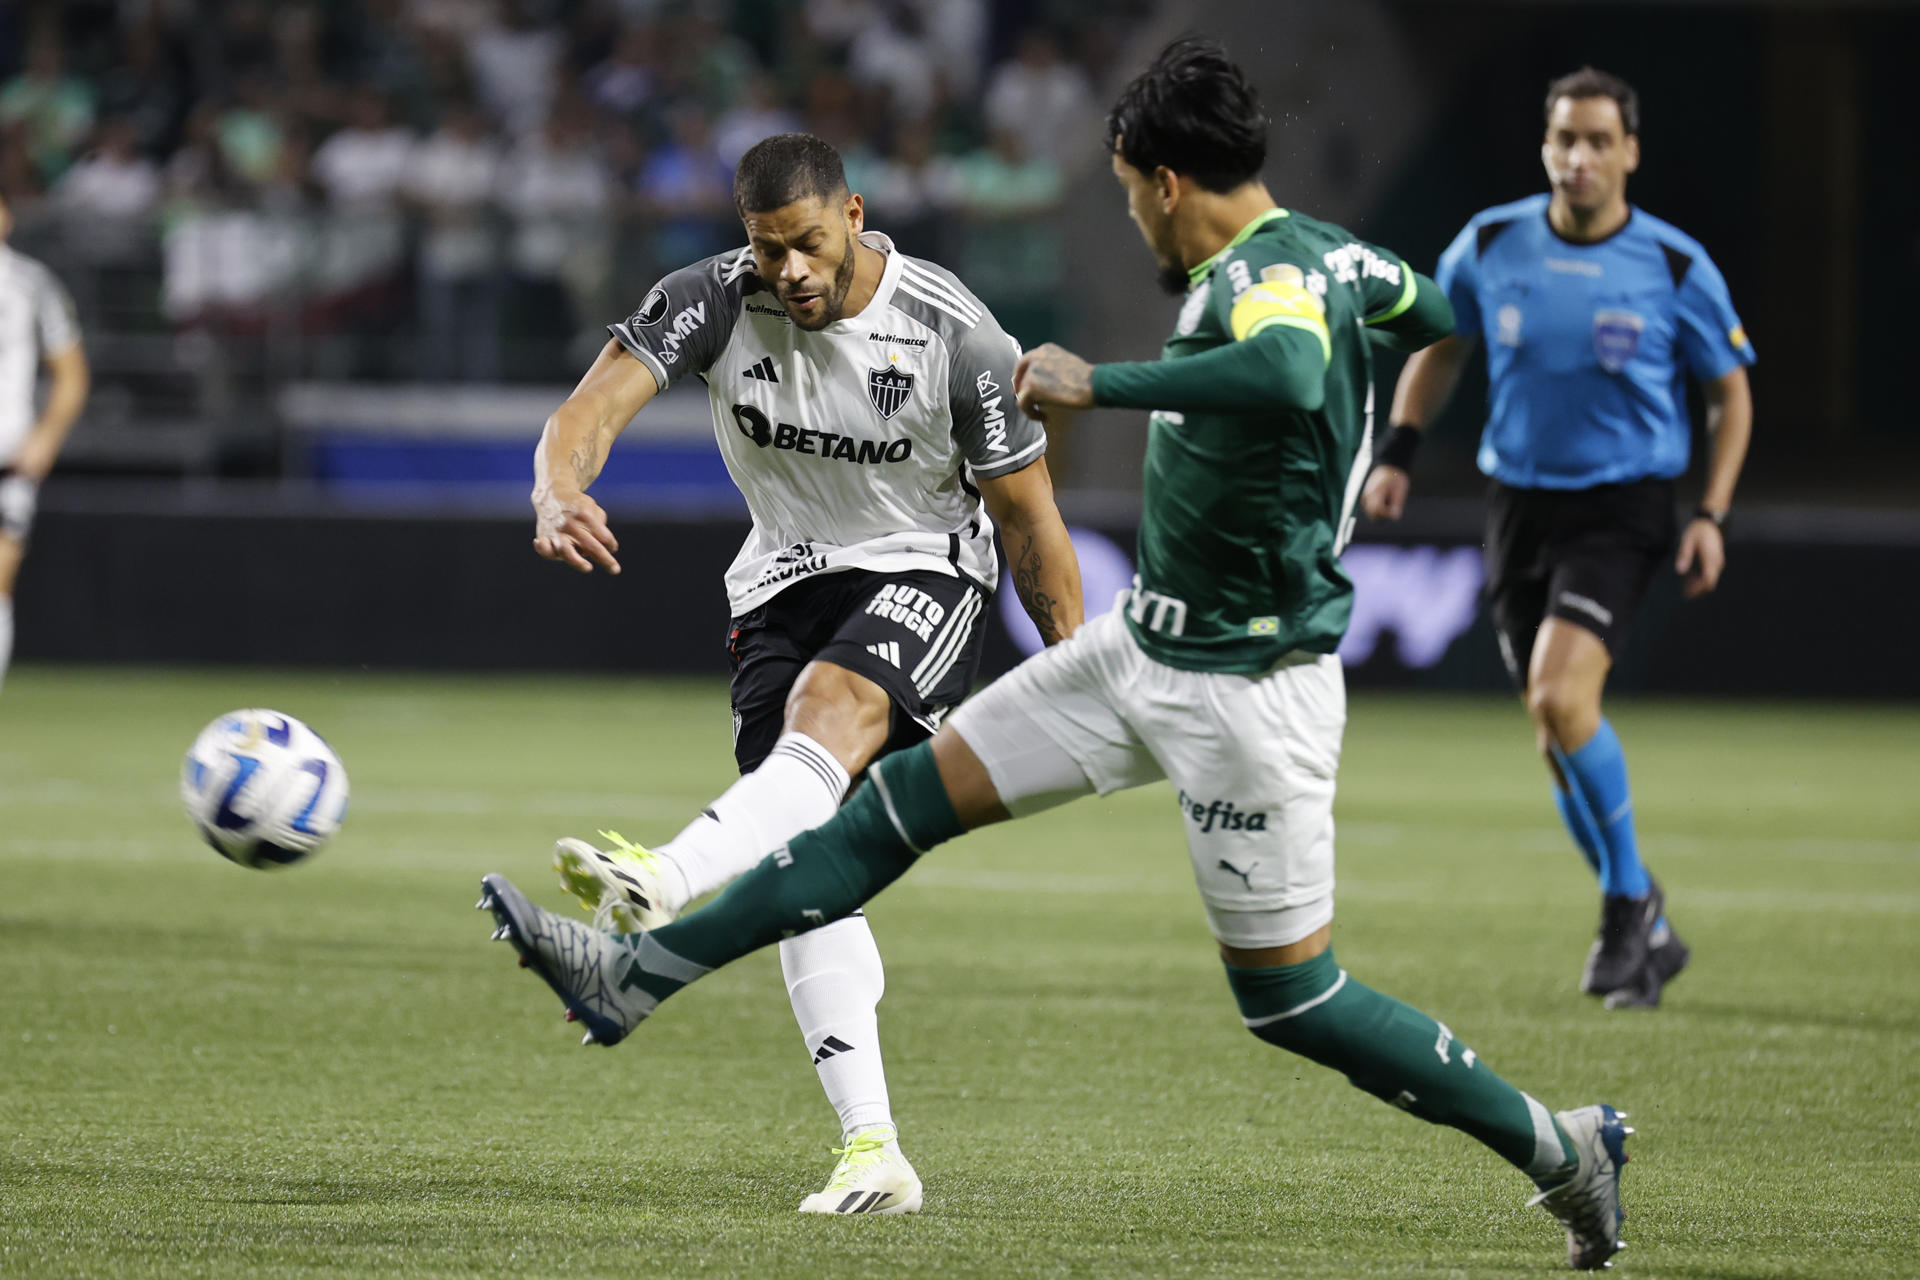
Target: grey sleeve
53,314
994,436
684,322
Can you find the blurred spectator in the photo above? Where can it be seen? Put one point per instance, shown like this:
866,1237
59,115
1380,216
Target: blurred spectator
50,111
362,169
145,85
629,78
893,56
109,195
715,66
1012,253
365,164
516,67
224,256
759,116
452,178
246,38
907,189
958,30
1043,99
250,131
559,190
1003,180
684,186
834,23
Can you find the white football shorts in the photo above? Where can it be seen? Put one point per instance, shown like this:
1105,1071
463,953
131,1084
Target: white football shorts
17,497
1252,760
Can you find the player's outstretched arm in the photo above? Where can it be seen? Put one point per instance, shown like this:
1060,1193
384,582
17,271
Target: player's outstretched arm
1703,550
568,525
1426,383
1275,368
1046,573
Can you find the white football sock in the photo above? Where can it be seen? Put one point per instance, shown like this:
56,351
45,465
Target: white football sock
6,635
835,981
797,787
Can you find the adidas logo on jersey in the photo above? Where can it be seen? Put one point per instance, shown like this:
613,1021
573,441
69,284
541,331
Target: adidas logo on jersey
763,371
886,651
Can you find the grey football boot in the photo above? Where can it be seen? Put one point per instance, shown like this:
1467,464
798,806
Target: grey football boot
593,973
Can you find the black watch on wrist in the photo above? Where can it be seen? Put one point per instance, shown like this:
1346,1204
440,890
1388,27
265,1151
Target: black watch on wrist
1718,519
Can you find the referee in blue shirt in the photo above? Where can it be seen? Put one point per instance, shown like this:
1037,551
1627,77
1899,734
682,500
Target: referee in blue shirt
1591,311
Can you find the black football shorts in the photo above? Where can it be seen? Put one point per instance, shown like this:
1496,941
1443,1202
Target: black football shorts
917,635
1585,555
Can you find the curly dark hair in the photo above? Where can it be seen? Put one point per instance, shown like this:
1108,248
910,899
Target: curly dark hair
1194,112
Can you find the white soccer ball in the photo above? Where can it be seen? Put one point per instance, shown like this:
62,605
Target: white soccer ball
263,788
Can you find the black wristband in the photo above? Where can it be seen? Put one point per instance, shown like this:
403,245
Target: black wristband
1398,448
1719,521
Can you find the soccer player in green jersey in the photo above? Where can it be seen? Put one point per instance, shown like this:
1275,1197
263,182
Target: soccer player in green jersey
1219,674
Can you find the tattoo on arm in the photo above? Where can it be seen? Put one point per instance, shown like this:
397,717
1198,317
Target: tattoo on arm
1038,604
585,469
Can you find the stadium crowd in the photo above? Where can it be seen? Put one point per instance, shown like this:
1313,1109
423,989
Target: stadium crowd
469,188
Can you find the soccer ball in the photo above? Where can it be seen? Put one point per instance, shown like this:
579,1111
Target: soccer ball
263,788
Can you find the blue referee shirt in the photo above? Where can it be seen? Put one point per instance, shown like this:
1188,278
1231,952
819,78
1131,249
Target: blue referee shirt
1587,344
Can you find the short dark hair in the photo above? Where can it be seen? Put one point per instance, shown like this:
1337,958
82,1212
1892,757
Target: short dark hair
1194,112
1590,83
777,171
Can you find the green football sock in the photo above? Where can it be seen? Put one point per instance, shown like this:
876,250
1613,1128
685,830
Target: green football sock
1399,1055
819,877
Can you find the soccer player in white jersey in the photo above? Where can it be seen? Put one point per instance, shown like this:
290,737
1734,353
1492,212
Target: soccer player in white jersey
863,402
37,327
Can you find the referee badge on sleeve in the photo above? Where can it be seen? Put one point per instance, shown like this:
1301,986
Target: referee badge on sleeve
1616,338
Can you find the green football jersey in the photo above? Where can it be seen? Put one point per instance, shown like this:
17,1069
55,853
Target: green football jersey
1258,443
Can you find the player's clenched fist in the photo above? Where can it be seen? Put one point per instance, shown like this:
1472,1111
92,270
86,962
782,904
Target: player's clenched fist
1385,497
574,531
1052,377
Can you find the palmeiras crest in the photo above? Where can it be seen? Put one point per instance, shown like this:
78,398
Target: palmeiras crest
888,389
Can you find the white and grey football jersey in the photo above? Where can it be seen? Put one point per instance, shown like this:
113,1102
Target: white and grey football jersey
852,444
36,321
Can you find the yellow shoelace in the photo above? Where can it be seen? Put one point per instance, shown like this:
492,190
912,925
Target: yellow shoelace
639,853
863,1151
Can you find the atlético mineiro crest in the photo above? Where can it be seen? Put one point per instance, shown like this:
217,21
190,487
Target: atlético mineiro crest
888,389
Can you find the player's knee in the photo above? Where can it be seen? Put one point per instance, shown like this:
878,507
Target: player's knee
1561,709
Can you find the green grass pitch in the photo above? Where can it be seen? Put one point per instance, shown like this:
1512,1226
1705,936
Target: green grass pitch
206,1071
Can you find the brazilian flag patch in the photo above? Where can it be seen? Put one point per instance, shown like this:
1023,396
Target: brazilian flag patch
1263,627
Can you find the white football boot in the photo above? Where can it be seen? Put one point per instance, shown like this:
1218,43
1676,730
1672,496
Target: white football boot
627,887
1588,1202
589,970
872,1177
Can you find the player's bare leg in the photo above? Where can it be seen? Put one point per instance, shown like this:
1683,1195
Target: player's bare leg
12,550
1635,952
